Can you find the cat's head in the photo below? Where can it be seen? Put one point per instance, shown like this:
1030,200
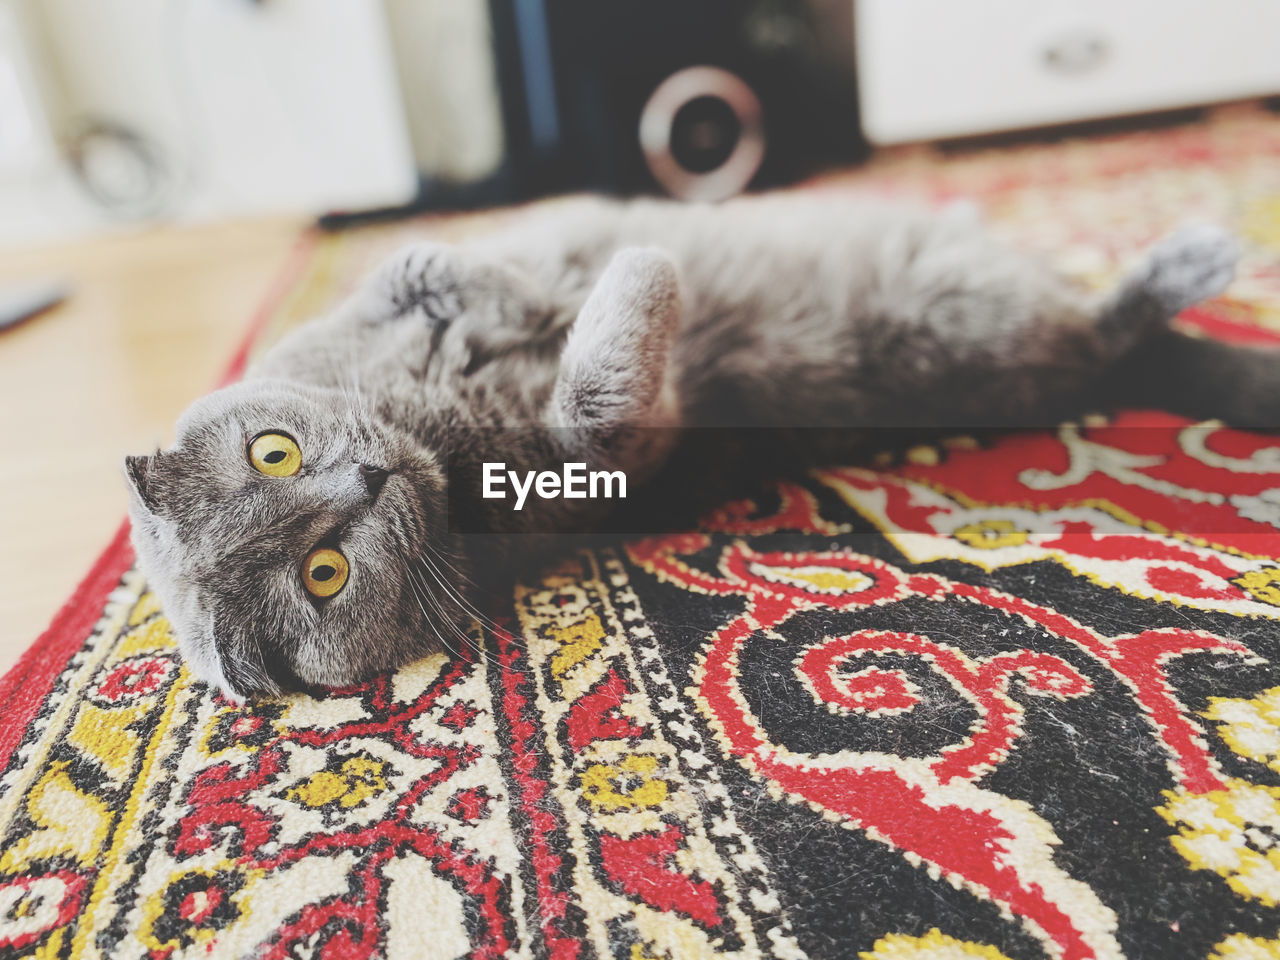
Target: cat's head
289,537
294,538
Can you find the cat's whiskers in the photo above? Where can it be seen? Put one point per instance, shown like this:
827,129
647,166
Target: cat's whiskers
467,606
449,621
452,623
445,621
420,598
424,599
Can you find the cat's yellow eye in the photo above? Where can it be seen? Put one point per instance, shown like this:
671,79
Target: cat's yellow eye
275,454
324,572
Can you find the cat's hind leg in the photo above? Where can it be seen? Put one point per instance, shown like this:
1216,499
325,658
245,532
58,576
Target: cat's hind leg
1178,371
1190,265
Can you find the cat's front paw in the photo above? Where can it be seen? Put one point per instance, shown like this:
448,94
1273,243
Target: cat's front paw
421,280
1194,263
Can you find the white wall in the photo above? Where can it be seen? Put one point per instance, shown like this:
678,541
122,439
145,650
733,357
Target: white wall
444,58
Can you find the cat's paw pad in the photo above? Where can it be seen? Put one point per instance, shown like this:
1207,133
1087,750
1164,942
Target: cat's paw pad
1194,263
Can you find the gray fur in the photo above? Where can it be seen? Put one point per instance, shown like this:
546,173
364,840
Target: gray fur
594,332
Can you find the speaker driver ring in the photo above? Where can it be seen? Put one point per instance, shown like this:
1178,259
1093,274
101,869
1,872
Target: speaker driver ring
685,119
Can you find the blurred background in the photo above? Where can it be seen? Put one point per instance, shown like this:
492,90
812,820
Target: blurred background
159,160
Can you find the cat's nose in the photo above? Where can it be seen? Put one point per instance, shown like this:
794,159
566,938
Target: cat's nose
373,477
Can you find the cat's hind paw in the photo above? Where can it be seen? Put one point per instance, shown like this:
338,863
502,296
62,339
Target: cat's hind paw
1194,263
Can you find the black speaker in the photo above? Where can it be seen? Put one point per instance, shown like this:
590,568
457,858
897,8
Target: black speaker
696,98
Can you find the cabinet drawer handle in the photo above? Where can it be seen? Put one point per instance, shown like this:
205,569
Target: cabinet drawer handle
1078,52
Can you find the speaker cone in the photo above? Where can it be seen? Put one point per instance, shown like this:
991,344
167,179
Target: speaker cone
702,134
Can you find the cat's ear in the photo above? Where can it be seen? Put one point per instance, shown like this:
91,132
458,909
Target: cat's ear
614,365
243,667
140,473
242,664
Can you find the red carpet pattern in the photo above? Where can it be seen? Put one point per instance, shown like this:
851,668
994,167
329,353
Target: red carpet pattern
1010,697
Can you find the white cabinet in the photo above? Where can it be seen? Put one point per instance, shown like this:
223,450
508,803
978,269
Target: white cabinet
944,68
248,108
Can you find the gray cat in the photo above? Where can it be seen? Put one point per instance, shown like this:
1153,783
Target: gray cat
299,530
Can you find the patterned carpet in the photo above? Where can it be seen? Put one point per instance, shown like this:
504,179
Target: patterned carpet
1011,700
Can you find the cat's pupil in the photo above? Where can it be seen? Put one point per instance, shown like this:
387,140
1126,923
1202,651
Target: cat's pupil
323,573
275,456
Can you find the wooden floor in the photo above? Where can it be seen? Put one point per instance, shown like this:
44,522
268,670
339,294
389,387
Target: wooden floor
150,323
